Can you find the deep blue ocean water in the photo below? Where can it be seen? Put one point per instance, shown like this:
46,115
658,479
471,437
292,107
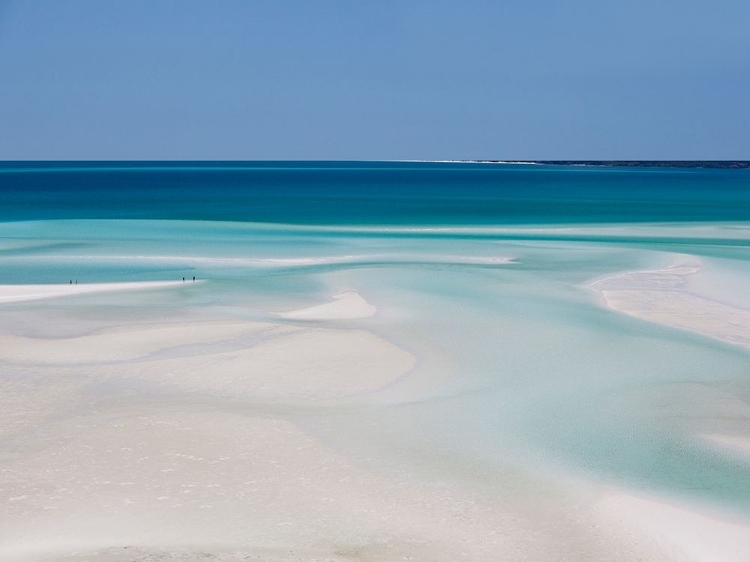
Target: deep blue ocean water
370,193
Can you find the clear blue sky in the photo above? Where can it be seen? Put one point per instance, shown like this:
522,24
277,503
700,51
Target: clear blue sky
380,79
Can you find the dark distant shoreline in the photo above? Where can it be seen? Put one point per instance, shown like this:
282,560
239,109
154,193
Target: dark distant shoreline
716,164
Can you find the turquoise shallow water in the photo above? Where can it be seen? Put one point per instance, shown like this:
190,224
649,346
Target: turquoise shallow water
520,368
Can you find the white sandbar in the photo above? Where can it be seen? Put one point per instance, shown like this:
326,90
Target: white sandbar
16,293
287,363
662,296
345,306
123,344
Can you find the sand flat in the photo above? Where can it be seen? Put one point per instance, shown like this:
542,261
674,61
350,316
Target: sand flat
17,293
291,363
662,296
267,360
654,530
126,343
164,482
139,477
345,306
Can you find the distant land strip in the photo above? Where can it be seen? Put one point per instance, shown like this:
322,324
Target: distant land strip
722,164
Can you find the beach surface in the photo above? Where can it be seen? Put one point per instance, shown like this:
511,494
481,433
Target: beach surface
321,394
344,306
210,458
664,296
16,293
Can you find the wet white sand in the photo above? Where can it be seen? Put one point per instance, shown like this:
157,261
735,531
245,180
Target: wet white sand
345,306
663,296
288,363
191,473
187,441
654,530
125,343
179,441
213,481
16,293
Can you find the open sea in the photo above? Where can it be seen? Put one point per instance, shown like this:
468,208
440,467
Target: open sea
370,193
480,270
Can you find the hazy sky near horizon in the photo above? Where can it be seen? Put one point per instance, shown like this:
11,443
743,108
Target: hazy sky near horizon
400,79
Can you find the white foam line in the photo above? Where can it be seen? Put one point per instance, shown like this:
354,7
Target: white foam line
301,261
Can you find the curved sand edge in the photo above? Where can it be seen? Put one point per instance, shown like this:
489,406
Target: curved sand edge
661,296
659,530
345,306
288,364
738,445
263,360
18,293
